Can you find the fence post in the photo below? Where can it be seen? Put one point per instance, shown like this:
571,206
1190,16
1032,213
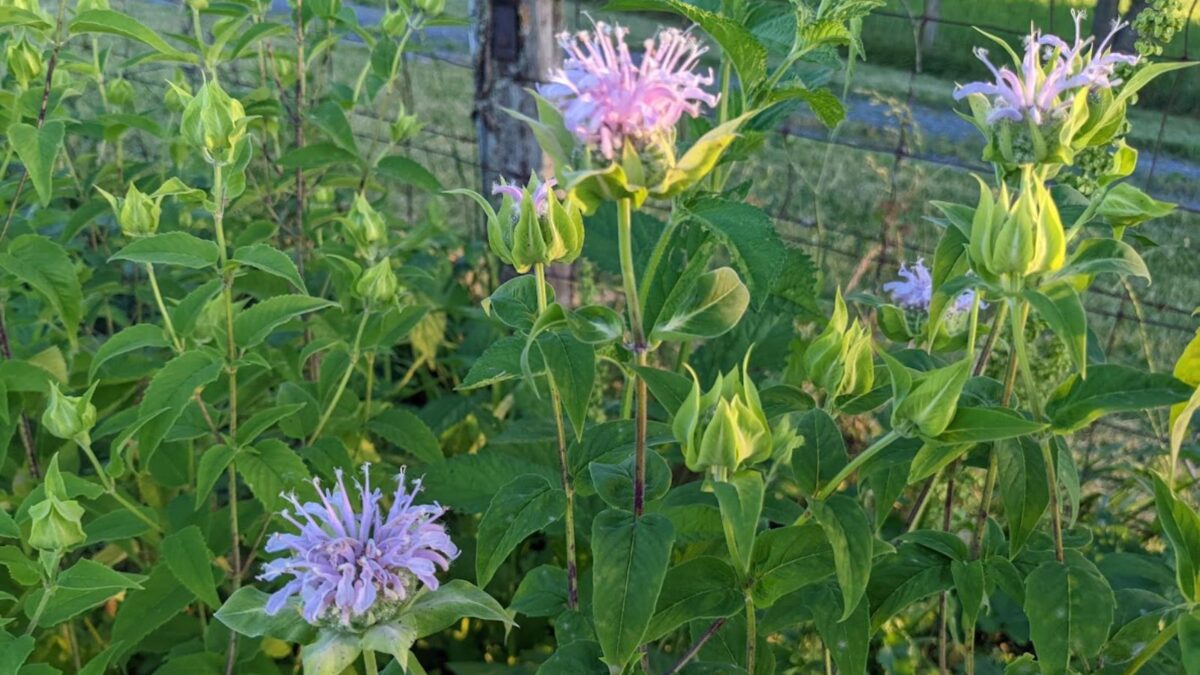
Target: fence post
514,48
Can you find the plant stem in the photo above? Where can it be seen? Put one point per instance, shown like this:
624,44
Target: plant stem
639,347
355,353
656,258
162,308
1153,647
861,458
751,634
111,488
695,648
369,662
1019,315
564,467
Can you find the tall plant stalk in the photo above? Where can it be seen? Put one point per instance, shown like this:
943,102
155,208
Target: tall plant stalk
639,348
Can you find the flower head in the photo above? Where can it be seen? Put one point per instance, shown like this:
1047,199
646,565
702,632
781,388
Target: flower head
541,195
1050,73
351,568
607,100
914,290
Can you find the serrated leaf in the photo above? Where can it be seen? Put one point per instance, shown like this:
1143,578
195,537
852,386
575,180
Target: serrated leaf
190,561
143,611
526,505
750,235
46,267
571,364
38,148
409,433
170,248
209,469
133,338
852,540
267,258
704,587
789,558
255,324
270,468
1070,609
116,23
171,389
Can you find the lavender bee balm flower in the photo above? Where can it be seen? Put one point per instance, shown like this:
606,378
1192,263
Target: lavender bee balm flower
353,569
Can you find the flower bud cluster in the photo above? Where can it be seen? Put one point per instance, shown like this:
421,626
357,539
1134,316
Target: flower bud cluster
1011,240
724,428
533,226
841,360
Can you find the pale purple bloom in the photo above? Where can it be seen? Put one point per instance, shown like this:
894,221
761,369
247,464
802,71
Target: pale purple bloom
606,99
351,568
541,196
914,290
1042,90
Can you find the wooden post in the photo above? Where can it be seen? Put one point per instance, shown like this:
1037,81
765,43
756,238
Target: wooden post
514,47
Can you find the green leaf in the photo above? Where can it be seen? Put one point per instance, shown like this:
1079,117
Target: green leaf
515,303
526,505
499,362
408,172
789,558
969,582
190,561
98,665
1111,388
571,364
745,52
408,433
614,482
1189,642
253,325
908,576
1181,525
822,454
848,636
315,156
741,502
211,466
267,258
749,234
933,401
46,267
1127,206
980,425
331,119
171,389
668,388
1070,609
170,248
332,653
269,468
1062,309
703,307
452,601
245,612
850,536
133,338
84,585
542,592
932,458
8,526
37,149
1023,488
143,611
16,17
116,23
581,657
630,563
701,588
595,324
249,430
1104,256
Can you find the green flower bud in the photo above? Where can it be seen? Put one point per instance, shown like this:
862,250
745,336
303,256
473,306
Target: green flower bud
137,213
841,360
431,7
366,228
378,285
57,522
198,5
405,127
324,195
394,23
1023,239
725,428
533,226
70,417
119,92
214,123
24,62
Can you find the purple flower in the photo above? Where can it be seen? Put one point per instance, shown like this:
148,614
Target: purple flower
353,569
914,290
541,195
1043,90
607,100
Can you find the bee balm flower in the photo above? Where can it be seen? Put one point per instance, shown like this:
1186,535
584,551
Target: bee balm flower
353,569
914,289
607,100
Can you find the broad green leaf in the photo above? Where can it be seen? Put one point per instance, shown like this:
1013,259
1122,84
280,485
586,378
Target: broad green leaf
253,325
542,592
581,657
15,652
255,33
614,482
1070,609
749,234
741,502
1062,309
160,599
267,258
822,454
453,601
668,388
46,267
850,536
315,156
191,562
702,307
630,559
8,526
98,665
408,172
701,588
931,404
261,421
526,505
245,612
905,577
571,364
1104,256
1189,641
500,362
943,543
331,119
1127,206
116,23
789,558
171,389
84,585
980,425
1181,525
949,262
409,433
1068,475
932,458
210,468
133,338
1111,388
270,468
15,16
848,636
1023,488
969,582
332,653
170,248
595,324
38,148
515,304
1187,370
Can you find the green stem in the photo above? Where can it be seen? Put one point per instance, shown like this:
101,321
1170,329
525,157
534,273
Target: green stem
563,465
751,634
41,608
639,347
355,353
861,458
369,662
656,258
1020,313
111,488
1153,647
162,308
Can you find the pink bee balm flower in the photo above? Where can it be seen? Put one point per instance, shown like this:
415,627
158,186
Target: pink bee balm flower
914,290
606,99
541,196
351,568
1042,91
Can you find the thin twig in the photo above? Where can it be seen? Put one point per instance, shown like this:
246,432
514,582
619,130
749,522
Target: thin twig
695,648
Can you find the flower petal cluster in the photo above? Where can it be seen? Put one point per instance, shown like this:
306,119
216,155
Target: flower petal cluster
541,195
353,568
1050,73
914,289
607,100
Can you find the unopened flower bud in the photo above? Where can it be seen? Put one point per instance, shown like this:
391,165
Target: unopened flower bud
725,428
214,123
1018,240
119,92
56,522
840,360
533,226
378,284
24,62
431,7
137,213
366,227
198,5
405,127
394,23
70,417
